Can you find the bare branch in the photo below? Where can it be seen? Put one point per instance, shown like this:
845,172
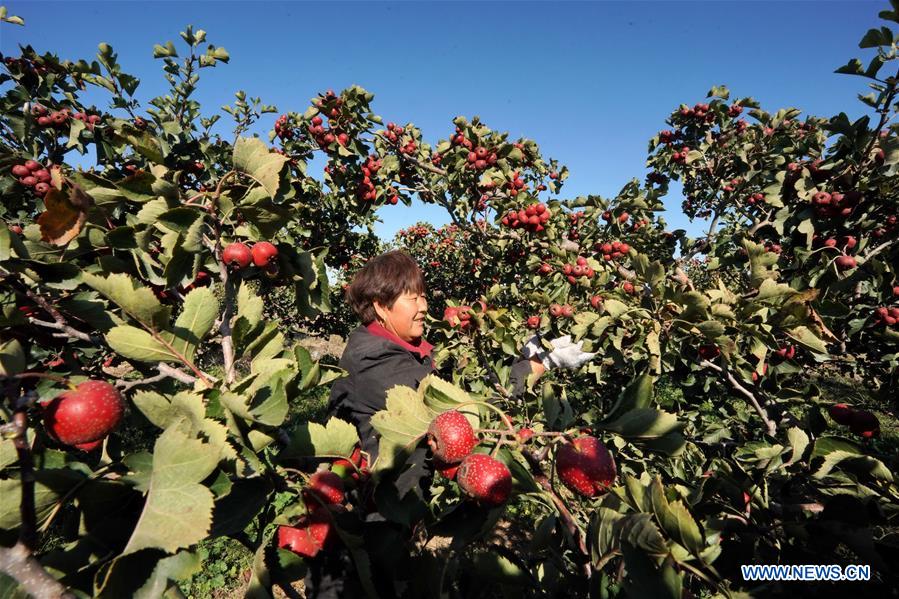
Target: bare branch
18,563
769,424
66,329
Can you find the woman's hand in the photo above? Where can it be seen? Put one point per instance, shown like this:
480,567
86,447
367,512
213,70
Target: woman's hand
564,354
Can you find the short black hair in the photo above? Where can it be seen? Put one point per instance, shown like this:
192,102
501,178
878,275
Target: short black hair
383,279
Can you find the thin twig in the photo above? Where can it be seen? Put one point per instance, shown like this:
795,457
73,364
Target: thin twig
769,424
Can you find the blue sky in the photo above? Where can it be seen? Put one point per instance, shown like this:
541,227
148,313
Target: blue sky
591,82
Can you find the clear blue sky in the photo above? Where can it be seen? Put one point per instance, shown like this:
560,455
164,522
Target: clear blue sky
591,82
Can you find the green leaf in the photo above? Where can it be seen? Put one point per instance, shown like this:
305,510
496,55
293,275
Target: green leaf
252,157
336,438
440,396
134,299
614,308
180,566
12,358
249,315
195,321
645,423
807,339
401,426
799,441
676,519
178,510
138,344
638,394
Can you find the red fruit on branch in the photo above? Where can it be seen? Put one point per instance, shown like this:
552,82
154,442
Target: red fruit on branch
263,253
841,413
485,479
451,437
533,322
845,262
447,471
32,165
89,446
309,536
864,424
596,301
85,414
20,170
524,435
709,352
585,466
555,309
326,486
237,255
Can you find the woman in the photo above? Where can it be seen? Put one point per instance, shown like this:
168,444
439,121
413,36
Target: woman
388,295
389,349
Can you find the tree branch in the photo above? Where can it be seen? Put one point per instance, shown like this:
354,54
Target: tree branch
18,563
769,424
165,371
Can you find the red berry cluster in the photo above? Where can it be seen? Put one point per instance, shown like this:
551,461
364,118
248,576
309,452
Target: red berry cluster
282,127
732,185
575,218
458,316
787,352
756,198
667,136
531,218
394,132
480,158
324,137
516,185
829,205
700,112
734,110
88,119
861,422
52,119
459,139
887,316
612,250
774,248
238,256
578,269
32,174
561,310
680,157
329,104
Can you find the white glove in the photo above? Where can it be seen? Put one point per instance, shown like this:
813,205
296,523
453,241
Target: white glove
564,354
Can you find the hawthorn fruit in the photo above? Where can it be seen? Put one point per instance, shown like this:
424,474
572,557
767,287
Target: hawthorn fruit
327,486
451,437
864,424
263,253
85,414
485,479
845,262
841,413
237,255
585,466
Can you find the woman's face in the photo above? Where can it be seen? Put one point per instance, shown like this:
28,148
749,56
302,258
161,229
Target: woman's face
406,319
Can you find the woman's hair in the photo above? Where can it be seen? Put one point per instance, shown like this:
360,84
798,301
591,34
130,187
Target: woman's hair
383,279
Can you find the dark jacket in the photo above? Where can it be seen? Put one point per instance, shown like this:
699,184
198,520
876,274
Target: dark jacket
375,365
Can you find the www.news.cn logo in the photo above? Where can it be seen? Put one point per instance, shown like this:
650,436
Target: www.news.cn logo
806,572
